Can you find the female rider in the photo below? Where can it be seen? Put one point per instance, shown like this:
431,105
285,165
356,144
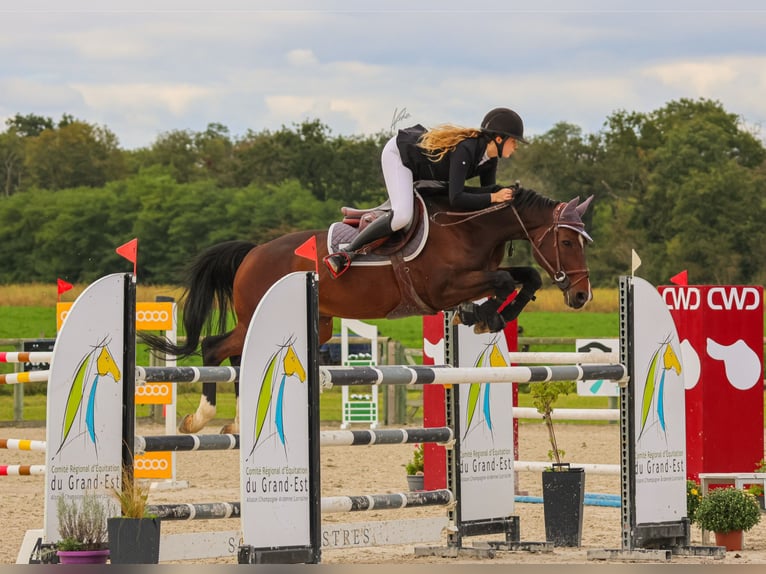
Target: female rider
446,153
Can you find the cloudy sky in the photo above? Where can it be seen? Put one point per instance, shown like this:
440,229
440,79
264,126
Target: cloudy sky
145,67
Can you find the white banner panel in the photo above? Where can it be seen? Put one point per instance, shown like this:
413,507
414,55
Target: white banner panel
659,410
486,431
274,435
84,452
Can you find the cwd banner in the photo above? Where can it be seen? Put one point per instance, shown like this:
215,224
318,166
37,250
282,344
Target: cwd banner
721,331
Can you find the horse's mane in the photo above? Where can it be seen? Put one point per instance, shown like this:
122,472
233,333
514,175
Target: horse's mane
529,199
523,199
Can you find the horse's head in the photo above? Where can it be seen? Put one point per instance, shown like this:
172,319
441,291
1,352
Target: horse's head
559,248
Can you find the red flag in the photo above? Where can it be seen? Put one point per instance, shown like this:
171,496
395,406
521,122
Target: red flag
63,287
680,278
308,250
129,251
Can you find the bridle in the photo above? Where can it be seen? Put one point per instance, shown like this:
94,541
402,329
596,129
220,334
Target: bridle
561,277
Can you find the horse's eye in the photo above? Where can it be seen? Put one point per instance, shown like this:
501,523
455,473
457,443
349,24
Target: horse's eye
567,243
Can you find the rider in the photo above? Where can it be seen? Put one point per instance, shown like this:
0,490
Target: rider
445,153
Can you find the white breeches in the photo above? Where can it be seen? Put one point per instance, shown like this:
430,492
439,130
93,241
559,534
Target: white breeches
399,183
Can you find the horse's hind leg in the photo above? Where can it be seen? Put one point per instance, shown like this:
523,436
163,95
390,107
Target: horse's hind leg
205,411
233,427
215,350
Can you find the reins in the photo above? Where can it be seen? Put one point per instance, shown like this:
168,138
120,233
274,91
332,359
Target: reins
467,217
560,276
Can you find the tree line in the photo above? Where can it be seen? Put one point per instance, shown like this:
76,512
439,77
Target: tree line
682,185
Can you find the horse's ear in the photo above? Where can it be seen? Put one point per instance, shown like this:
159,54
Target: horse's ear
582,207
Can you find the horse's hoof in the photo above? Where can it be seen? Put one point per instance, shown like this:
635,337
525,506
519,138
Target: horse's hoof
480,328
187,425
230,428
456,319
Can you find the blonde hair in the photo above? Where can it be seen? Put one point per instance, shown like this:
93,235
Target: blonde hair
439,141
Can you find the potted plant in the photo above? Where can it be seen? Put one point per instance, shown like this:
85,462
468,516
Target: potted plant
134,537
563,486
82,527
728,512
415,476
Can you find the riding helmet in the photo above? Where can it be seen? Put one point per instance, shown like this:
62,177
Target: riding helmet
504,122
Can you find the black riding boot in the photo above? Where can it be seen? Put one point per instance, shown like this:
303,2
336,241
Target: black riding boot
338,262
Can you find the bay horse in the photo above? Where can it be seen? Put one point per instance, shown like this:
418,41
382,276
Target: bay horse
459,263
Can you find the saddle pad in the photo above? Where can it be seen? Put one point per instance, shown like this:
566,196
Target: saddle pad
341,234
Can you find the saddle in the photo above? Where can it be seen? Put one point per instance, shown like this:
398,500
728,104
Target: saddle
408,242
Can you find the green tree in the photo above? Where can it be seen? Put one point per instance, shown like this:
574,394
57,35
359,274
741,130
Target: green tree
75,154
176,151
30,125
11,162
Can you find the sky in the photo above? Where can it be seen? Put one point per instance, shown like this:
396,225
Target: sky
147,67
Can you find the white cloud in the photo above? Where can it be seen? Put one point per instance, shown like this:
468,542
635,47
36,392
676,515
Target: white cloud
174,98
300,58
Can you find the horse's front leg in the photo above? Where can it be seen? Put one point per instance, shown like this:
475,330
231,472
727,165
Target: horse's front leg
485,317
531,281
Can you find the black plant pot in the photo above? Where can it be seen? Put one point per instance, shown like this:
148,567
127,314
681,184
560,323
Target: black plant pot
134,540
563,499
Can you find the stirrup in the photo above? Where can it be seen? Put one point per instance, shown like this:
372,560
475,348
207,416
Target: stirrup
328,261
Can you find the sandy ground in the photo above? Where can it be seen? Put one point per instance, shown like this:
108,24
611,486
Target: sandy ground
212,477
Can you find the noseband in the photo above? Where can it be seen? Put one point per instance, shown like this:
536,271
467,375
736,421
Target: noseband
561,277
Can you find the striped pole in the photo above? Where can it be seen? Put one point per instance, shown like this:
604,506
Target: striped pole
188,442
26,357
421,375
331,504
24,377
22,444
439,435
441,497
186,375
169,443
200,511
22,469
562,358
192,442
399,375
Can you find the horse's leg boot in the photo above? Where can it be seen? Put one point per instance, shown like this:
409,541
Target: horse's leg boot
514,308
466,314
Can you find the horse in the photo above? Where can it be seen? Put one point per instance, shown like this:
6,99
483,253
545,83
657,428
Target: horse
460,263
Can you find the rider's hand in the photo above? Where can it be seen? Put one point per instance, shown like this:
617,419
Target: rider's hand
501,195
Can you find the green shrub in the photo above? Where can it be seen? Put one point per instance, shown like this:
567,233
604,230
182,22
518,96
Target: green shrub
728,509
82,526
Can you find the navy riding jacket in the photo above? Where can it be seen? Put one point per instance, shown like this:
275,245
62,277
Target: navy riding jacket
454,168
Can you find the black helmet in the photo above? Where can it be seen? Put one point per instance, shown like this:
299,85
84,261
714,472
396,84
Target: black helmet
504,122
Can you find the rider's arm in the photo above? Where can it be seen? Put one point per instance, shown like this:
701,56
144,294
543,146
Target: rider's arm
461,165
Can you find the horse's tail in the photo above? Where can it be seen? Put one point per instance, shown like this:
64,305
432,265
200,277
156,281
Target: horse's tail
209,278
